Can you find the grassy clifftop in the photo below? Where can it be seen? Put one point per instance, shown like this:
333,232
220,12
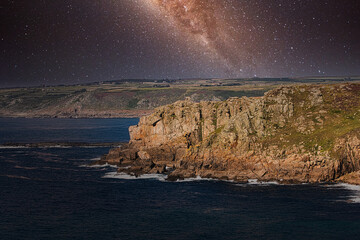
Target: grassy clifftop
320,116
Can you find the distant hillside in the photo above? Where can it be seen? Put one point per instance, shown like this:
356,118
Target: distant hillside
132,98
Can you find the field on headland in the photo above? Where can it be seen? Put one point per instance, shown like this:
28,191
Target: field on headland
132,98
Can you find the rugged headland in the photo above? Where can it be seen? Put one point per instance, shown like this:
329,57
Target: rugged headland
293,134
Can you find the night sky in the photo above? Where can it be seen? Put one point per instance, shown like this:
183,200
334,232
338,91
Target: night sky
66,42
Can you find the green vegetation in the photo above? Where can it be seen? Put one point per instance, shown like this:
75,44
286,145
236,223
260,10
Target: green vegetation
132,103
321,124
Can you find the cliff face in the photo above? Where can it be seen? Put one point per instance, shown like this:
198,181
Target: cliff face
307,133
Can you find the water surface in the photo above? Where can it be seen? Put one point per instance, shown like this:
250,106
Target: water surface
52,193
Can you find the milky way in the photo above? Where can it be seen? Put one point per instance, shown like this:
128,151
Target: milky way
204,21
46,42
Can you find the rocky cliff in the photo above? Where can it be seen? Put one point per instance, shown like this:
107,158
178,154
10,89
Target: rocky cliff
307,133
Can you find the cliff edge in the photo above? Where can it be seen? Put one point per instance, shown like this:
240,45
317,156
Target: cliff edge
307,133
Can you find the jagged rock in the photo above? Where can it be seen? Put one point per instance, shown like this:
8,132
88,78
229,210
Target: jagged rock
143,155
351,178
292,134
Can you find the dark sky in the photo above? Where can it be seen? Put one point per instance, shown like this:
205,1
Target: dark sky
62,42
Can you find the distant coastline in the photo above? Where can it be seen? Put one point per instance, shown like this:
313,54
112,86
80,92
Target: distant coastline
133,98
100,114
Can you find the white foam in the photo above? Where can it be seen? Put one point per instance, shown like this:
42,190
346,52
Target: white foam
124,176
197,178
160,177
56,146
90,146
125,167
20,147
99,166
354,189
95,159
13,147
257,183
97,146
253,181
50,146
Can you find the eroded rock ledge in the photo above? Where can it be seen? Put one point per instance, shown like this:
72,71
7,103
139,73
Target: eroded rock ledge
308,133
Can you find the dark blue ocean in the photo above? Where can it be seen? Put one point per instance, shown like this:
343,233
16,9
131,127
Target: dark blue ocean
52,193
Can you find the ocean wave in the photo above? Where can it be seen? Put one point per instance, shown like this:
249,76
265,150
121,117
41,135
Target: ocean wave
163,177
127,167
24,146
54,146
15,176
26,168
257,183
354,190
13,147
74,146
124,176
92,146
99,166
196,179
59,146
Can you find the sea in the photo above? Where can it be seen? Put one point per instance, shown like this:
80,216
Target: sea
53,192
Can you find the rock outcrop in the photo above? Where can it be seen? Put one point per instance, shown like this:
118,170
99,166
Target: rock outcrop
308,133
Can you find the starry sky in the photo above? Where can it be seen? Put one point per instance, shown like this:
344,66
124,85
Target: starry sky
76,41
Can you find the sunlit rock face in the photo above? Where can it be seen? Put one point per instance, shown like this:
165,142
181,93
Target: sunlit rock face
307,133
